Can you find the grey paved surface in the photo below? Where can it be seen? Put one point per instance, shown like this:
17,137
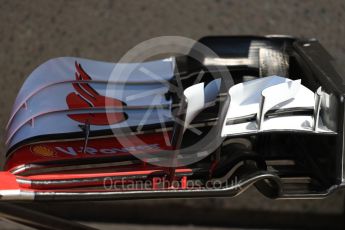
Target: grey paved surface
32,31
107,226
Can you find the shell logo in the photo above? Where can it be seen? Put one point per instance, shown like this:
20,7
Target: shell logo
43,151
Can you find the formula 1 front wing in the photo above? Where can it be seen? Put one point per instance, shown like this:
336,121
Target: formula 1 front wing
265,111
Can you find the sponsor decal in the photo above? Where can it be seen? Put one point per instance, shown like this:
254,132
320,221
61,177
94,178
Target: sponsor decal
43,151
86,97
75,151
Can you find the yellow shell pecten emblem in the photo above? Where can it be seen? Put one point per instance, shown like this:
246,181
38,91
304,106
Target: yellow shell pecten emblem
43,151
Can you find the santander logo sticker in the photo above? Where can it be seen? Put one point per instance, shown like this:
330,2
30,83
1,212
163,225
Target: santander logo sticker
85,97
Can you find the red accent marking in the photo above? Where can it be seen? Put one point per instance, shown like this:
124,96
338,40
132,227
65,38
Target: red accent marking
183,182
86,97
98,118
8,181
